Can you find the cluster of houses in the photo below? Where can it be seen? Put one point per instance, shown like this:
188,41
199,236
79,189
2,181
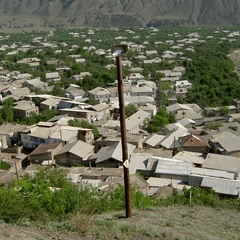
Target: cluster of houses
187,154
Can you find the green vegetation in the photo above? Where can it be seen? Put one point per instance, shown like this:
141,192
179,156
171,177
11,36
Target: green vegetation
237,120
43,116
209,68
49,195
199,196
158,121
6,113
4,165
234,128
130,110
212,74
213,126
224,111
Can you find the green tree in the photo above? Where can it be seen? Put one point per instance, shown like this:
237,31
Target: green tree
44,116
7,110
58,91
130,110
158,121
91,100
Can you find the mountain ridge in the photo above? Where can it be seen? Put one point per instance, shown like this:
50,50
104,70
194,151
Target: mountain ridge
120,13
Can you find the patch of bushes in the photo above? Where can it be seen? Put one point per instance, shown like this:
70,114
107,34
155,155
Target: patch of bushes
49,195
213,126
4,165
199,196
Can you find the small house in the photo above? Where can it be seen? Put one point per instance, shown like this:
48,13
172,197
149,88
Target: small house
74,154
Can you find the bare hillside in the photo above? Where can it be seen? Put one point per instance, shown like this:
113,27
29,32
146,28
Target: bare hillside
118,12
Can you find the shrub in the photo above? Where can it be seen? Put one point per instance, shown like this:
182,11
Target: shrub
195,195
49,195
213,126
12,205
4,165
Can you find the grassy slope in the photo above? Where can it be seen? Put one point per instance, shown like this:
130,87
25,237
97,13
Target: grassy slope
166,223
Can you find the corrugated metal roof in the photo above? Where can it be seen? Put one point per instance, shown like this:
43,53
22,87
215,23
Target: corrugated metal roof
136,119
174,126
78,148
176,106
81,148
170,140
193,157
154,140
221,135
212,173
230,144
139,161
162,182
173,167
222,186
100,106
113,151
185,121
222,162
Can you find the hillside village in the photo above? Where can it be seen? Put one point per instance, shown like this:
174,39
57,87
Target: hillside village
185,153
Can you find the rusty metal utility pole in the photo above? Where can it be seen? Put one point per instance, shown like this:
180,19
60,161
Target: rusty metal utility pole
123,138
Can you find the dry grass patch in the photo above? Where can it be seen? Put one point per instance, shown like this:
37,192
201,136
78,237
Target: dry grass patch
170,223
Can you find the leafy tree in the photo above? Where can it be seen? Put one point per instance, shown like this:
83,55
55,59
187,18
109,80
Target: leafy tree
7,110
38,91
58,91
91,100
44,116
158,121
37,100
212,74
130,110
